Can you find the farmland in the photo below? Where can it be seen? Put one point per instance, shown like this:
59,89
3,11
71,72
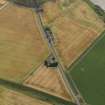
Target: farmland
89,73
44,47
22,47
75,29
9,97
48,80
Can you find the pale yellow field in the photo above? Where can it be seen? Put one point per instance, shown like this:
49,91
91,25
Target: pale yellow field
75,27
22,47
9,97
2,2
48,80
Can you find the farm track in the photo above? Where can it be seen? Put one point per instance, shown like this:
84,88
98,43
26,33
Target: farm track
61,70
17,86
53,50
60,66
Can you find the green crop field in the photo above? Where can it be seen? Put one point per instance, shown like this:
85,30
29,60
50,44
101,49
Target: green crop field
89,73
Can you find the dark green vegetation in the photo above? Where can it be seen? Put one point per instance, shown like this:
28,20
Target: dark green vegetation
97,9
100,11
28,3
34,93
89,73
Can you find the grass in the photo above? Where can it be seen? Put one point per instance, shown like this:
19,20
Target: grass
89,73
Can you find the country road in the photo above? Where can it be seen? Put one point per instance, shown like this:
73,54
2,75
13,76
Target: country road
52,49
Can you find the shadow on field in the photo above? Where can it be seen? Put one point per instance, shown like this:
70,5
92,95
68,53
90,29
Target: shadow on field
28,3
33,93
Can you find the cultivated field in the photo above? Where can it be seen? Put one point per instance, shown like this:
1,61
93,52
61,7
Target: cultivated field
48,80
89,73
75,27
9,97
22,48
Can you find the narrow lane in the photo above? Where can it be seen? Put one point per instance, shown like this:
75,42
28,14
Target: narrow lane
54,52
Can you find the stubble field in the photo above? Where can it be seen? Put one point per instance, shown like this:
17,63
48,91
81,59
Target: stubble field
48,80
74,28
22,47
9,97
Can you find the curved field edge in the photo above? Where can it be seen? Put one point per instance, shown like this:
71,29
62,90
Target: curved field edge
88,72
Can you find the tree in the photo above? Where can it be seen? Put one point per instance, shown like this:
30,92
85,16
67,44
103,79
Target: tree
29,3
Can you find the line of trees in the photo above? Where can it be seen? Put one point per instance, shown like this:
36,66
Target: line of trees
100,11
97,9
28,3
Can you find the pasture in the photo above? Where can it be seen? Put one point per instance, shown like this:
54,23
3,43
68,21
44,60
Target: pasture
89,73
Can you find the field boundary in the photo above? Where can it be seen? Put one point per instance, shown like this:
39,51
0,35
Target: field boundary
33,92
30,72
93,44
69,77
75,89
48,92
89,45
33,70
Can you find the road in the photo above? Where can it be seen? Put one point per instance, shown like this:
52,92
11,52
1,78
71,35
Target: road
53,50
